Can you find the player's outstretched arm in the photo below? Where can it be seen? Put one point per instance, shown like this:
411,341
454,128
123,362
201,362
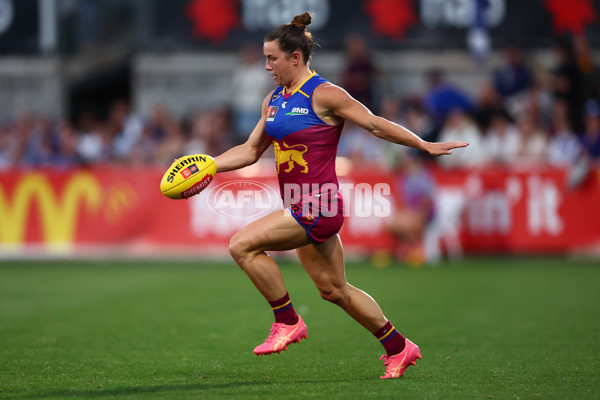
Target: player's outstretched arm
249,152
443,148
337,101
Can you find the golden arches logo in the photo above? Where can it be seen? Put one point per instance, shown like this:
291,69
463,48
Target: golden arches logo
120,196
58,216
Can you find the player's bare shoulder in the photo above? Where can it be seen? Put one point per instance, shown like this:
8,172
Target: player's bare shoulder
327,98
328,92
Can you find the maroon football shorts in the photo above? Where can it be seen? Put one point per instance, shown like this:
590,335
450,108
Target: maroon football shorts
322,216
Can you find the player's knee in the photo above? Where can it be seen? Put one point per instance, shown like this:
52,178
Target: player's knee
334,295
238,248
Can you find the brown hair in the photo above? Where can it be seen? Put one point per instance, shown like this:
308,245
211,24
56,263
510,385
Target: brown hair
294,36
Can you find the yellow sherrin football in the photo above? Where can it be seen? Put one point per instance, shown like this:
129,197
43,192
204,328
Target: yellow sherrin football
188,176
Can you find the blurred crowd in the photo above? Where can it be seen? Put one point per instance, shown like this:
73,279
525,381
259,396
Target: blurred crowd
521,115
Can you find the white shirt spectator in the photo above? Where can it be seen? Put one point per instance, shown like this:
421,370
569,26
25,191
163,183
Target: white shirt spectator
459,127
533,141
502,146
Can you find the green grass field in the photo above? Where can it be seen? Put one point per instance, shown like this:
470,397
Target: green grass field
488,329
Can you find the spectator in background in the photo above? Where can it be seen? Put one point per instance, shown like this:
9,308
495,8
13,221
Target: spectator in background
67,155
514,77
249,84
25,139
410,114
7,147
45,149
95,140
442,98
533,140
146,149
501,141
590,72
171,148
104,152
591,136
567,83
210,132
126,127
160,123
459,126
564,147
416,119
489,103
359,73
160,128
360,147
39,142
539,102
221,137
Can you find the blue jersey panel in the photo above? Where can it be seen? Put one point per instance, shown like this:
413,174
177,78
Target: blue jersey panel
295,113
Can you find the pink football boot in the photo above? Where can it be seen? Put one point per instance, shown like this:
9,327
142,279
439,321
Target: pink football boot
396,365
281,336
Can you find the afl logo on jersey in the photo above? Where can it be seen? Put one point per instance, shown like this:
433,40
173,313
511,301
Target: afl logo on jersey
271,112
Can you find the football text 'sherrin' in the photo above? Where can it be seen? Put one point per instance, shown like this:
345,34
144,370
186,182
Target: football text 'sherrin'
181,164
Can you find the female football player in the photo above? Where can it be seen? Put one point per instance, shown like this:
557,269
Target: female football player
303,120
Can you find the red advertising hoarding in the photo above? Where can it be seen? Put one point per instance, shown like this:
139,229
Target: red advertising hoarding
122,212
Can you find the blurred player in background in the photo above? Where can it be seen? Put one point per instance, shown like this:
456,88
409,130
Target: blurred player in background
415,210
303,119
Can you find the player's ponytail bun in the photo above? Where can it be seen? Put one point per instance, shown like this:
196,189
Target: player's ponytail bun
294,36
302,20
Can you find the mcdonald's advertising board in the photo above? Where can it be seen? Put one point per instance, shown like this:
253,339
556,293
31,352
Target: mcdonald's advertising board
105,211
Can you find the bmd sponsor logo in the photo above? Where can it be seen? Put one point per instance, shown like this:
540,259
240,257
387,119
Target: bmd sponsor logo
298,111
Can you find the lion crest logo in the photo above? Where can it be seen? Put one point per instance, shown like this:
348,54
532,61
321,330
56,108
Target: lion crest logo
290,156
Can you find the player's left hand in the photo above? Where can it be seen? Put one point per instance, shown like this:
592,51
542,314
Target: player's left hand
443,148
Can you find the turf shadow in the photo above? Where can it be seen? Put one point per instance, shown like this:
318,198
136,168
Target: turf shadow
133,390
